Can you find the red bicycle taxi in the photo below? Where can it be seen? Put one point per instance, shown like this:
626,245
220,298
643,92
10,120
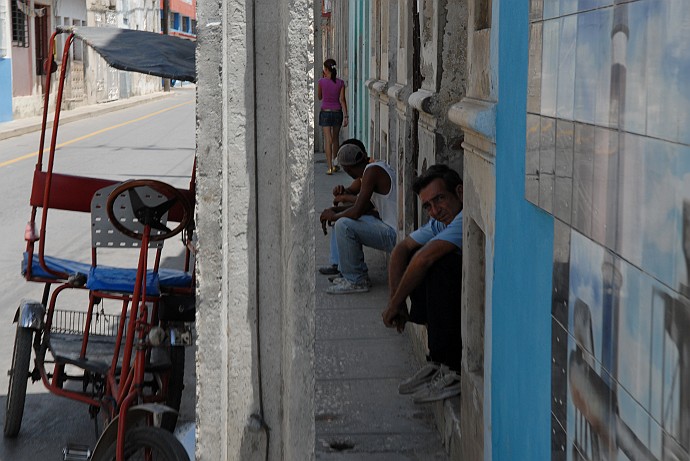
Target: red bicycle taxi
130,362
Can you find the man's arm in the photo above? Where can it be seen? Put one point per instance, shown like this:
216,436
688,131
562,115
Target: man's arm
352,189
374,177
402,285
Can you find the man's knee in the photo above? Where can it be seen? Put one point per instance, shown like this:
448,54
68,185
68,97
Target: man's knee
343,226
449,267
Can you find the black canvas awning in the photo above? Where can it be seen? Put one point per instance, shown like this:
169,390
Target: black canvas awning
140,51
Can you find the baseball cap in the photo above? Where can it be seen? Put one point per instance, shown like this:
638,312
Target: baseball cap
351,154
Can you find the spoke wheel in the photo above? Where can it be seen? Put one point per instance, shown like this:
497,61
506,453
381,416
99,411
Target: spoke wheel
146,443
19,376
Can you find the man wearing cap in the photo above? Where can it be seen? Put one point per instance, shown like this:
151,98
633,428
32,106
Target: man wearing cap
356,226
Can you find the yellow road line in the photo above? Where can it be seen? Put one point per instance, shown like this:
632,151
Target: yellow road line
81,138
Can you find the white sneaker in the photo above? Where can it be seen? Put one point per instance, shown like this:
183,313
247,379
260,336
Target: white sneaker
338,280
419,379
345,287
444,384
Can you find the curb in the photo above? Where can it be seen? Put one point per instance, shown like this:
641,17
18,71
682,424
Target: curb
30,124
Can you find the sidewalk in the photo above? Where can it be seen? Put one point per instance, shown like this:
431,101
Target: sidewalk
359,363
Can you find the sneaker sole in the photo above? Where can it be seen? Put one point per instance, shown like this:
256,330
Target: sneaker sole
445,394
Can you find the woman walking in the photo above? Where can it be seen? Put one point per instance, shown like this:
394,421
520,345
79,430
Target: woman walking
333,113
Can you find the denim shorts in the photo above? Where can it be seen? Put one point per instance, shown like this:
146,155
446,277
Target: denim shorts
330,118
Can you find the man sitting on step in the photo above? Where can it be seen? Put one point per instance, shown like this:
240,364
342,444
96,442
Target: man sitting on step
356,226
427,267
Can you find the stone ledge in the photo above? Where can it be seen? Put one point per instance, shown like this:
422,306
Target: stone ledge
397,92
377,86
422,100
476,115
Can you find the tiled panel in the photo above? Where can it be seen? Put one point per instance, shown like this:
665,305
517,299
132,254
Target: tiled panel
552,8
605,191
547,163
590,406
667,64
583,157
561,271
559,441
653,180
637,67
608,155
549,67
559,376
566,68
639,436
563,188
534,68
532,159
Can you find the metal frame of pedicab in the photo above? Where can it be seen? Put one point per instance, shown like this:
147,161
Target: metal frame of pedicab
122,398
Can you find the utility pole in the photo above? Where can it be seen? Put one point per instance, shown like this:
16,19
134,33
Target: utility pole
166,31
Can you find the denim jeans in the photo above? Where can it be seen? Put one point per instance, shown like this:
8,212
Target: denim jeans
347,239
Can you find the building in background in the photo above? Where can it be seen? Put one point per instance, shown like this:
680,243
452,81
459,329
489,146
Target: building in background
5,61
25,30
181,17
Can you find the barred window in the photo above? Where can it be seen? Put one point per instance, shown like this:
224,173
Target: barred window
20,26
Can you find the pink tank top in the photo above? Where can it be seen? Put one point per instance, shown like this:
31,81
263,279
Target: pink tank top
330,93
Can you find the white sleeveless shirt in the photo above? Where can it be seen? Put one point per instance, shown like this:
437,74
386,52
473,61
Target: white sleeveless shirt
387,204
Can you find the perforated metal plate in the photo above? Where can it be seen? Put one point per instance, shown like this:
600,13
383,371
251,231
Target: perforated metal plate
105,235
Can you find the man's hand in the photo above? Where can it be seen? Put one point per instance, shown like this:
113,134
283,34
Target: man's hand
338,190
395,316
327,218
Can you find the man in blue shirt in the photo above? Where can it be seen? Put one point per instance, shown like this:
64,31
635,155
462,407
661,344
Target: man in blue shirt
427,267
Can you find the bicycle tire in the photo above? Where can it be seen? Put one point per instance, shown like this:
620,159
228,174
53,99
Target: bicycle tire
144,440
19,376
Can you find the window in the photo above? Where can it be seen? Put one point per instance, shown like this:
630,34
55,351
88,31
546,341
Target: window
20,26
78,47
3,37
193,26
326,7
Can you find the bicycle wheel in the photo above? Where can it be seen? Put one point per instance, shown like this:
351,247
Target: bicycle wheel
147,443
19,375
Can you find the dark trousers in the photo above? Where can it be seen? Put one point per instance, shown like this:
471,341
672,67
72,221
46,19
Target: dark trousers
436,304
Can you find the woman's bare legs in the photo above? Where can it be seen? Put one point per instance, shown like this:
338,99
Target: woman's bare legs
335,142
328,142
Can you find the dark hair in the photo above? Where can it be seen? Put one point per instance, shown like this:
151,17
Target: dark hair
357,143
330,65
450,178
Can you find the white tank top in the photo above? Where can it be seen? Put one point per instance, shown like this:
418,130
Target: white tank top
387,205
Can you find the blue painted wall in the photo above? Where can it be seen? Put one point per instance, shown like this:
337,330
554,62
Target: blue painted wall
523,265
5,90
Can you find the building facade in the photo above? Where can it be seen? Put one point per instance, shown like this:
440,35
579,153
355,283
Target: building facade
25,30
181,17
5,61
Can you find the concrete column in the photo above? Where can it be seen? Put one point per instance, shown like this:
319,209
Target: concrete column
255,323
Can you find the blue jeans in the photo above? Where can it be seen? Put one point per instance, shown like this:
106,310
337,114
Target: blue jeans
348,238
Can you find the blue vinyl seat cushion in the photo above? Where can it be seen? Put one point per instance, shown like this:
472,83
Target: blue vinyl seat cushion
108,278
